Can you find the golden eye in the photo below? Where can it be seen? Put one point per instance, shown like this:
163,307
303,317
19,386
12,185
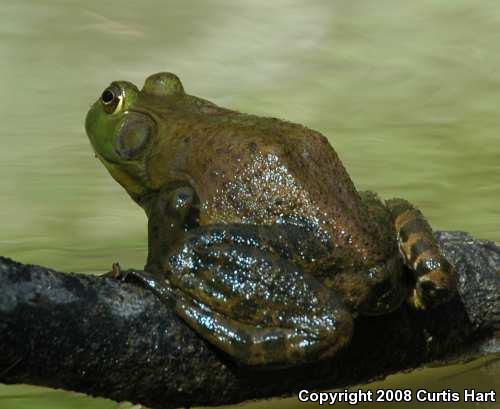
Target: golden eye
112,99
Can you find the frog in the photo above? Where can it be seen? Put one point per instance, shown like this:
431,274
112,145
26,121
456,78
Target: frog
257,237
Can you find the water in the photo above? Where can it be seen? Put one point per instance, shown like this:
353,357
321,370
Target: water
407,93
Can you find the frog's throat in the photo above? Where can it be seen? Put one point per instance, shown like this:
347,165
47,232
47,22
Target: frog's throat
131,176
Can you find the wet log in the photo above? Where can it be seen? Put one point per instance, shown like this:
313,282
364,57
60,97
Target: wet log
117,340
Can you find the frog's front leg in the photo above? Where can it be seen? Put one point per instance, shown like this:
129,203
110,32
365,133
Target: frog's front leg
251,303
435,277
172,212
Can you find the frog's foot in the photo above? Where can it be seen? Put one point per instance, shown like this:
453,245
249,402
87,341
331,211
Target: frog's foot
154,282
436,279
256,306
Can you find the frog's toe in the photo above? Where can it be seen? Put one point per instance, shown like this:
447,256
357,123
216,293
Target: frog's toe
116,272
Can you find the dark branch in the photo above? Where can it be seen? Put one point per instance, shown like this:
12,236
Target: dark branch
105,338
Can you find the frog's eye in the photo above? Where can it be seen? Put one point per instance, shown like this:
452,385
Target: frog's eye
112,99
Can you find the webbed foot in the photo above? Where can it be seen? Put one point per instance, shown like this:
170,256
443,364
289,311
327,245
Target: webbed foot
435,277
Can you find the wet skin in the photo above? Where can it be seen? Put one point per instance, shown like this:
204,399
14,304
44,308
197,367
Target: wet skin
257,236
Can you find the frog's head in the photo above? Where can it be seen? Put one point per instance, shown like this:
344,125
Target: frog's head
123,124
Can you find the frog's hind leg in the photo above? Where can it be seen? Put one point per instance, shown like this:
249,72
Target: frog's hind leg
253,304
266,346
435,277
250,344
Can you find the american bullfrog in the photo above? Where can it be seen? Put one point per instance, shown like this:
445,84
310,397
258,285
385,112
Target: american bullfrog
257,236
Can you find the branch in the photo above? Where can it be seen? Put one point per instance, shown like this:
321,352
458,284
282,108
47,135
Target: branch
117,340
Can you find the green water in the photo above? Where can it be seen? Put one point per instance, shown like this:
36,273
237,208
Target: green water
407,93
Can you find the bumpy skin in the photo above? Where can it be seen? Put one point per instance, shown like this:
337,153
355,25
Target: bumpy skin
257,236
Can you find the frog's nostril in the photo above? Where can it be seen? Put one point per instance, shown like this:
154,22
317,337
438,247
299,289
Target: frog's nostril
107,96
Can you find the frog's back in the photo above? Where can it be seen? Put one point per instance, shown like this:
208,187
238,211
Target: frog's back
250,169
